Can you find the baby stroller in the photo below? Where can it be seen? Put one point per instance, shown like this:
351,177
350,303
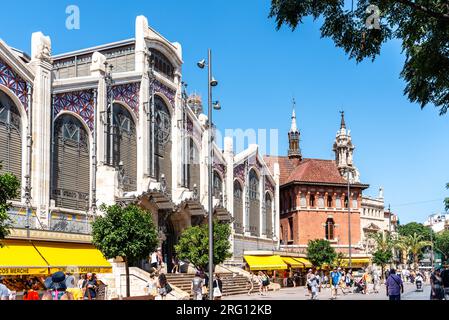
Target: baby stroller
358,287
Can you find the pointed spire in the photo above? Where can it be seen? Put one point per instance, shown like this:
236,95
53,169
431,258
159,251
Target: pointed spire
343,125
293,127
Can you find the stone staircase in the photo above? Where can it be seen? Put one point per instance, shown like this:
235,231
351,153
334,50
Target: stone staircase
233,283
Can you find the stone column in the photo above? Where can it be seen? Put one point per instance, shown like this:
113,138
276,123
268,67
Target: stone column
41,110
106,178
229,181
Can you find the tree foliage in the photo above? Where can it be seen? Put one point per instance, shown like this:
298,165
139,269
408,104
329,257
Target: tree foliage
382,257
320,252
9,188
421,25
442,243
126,232
193,245
411,228
413,244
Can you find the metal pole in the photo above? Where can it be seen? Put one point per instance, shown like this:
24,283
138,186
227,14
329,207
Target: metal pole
210,155
349,225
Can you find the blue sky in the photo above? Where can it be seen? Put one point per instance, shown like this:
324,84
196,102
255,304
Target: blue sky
398,146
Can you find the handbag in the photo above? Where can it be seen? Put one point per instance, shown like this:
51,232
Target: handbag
217,292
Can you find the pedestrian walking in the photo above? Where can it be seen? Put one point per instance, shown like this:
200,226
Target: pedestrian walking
394,286
376,281
335,278
436,284
217,287
175,262
314,283
163,287
445,278
197,286
81,281
265,282
308,277
70,280
364,281
250,282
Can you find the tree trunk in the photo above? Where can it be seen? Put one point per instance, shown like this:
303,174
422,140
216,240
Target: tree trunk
382,268
128,288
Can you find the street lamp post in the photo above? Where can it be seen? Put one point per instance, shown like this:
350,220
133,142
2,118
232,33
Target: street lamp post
211,82
349,225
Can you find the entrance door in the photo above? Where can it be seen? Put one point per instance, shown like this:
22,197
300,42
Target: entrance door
168,245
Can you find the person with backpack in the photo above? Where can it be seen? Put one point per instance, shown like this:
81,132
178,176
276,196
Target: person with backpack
265,282
163,286
335,278
197,286
394,286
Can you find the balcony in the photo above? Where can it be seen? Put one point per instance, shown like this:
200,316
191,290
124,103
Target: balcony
20,220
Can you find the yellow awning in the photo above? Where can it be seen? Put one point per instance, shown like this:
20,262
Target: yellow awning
293,263
21,258
306,262
356,262
73,257
265,263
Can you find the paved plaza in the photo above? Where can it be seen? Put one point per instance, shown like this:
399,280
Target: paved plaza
299,293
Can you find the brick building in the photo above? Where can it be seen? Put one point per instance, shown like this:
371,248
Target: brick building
314,195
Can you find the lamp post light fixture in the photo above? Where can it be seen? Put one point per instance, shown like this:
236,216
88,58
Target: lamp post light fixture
211,82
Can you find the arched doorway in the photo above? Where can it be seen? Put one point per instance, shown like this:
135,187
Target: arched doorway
10,138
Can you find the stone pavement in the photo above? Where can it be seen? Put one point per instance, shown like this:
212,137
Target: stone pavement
299,293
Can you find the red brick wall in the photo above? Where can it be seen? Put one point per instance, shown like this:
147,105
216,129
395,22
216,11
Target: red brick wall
308,223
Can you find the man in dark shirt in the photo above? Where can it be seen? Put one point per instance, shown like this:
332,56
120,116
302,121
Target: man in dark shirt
394,286
445,279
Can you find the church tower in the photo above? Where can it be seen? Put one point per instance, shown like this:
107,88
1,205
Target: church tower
344,150
293,138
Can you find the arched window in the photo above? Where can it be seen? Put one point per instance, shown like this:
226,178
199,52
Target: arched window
125,146
163,142
329,201
312,201
10,138
268,215
254,203
218,186
71,164
346,201
253,185
193,166
238,207
330,225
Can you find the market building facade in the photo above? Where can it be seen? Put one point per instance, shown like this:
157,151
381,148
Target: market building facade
114,124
